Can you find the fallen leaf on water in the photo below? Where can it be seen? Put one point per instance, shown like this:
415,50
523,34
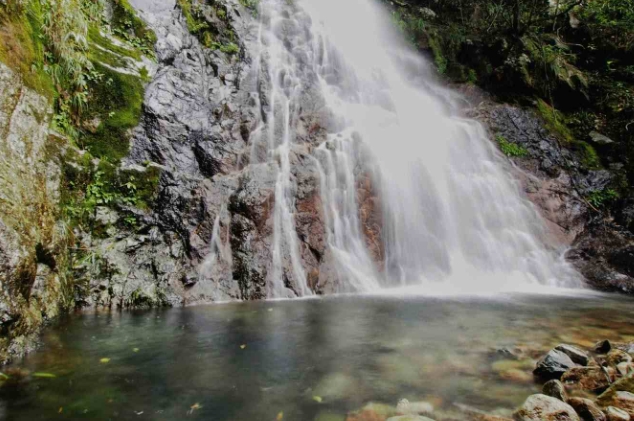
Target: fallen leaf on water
242,346
280,416
4,376
194,407
104,360
61,409
317,399
135,349
270,309
45,375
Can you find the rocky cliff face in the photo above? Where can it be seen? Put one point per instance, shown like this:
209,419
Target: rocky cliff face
33,240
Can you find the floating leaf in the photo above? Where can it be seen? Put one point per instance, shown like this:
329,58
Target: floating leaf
194,407
61,409
45,375
270,309
104,360
242,346
135,349
318,399
4,376
280,416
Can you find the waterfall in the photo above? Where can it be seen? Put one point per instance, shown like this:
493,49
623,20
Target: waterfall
411,193
451,210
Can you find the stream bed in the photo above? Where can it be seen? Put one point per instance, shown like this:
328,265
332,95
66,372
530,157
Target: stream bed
303,360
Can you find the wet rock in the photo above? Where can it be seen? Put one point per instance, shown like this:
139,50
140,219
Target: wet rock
405,407
329,416
335,386
555,389
616,356
600,139
553,365
587,409
544,408
616,414
603,347
624,368
409,418
593,379
620,399
625,386
576,355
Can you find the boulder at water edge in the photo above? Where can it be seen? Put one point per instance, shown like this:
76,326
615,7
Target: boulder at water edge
587,409
555,389
577,355
544,408
553,365
616,414
593,379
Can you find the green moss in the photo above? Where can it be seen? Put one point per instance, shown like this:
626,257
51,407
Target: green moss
116,102
216,37
510,149
554,121
22,48
589,156
96,37
130,27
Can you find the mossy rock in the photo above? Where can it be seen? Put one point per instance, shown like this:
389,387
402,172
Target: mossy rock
22,48
117,103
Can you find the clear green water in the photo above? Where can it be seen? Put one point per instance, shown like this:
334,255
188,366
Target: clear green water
344,351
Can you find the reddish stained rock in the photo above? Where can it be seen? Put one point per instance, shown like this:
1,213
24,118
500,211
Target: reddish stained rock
593,379
371,218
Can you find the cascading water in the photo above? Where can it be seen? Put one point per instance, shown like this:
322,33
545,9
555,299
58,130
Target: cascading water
450,207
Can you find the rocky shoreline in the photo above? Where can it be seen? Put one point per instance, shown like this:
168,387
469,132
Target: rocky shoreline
596,384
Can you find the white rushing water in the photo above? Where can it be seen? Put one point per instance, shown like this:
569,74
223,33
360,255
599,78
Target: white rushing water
452,213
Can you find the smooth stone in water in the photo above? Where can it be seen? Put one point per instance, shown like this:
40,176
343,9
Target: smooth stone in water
553,365
405,407
555,389
616,414
545,408
587,409
577,355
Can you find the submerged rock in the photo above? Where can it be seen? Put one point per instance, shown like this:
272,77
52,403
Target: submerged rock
544,408
587,409
409,418
553,365
405,407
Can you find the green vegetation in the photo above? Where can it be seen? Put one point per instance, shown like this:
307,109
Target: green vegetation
510,149
602,198
210,23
